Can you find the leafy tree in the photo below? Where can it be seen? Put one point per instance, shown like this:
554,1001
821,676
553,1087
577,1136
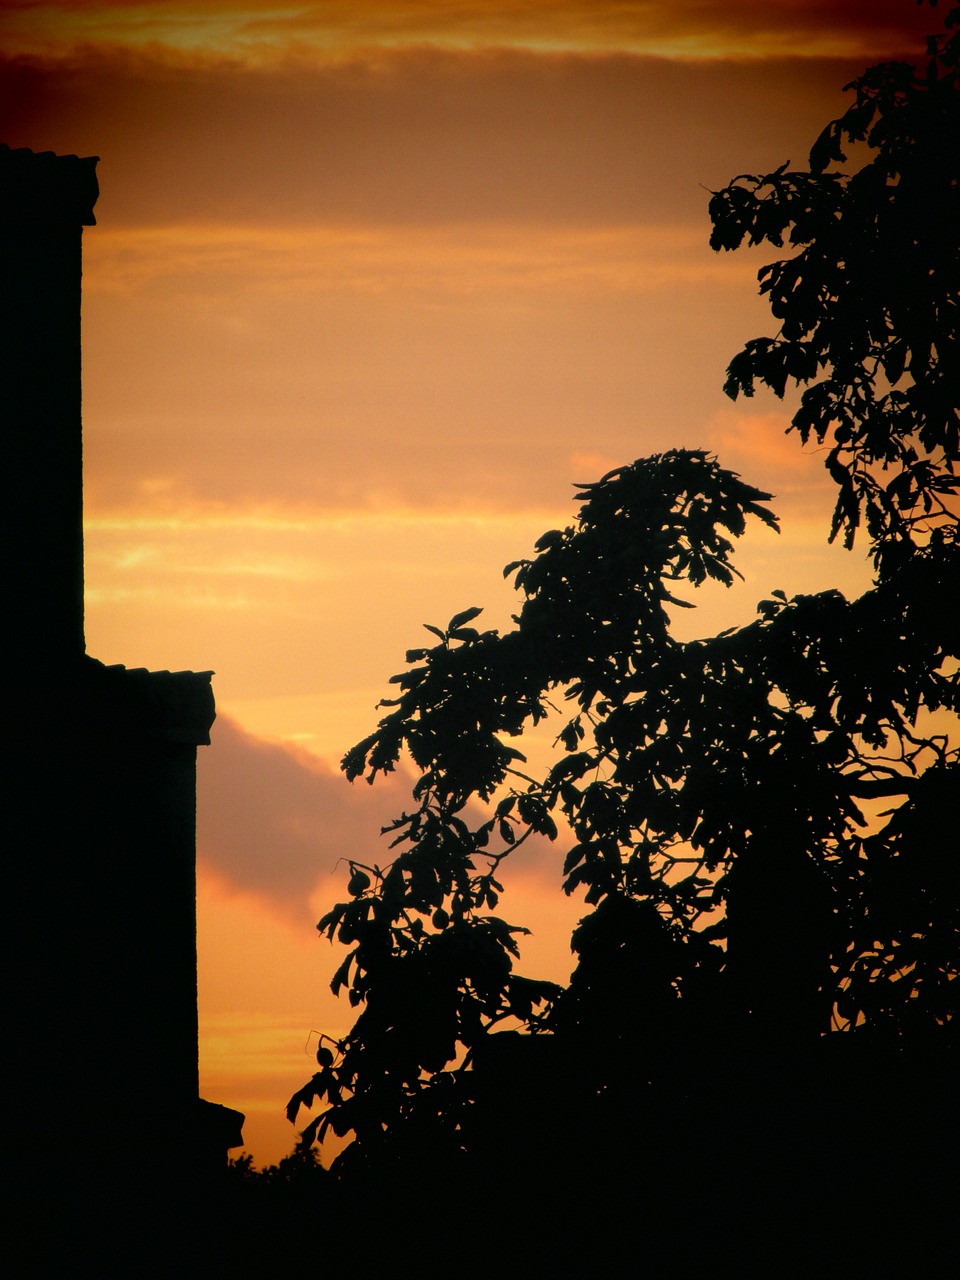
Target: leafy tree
762,822
301,1166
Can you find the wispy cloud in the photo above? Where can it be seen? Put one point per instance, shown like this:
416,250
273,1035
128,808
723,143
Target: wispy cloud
259,31
425,136
309,372
194,263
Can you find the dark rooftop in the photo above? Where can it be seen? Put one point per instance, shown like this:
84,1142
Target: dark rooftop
44,189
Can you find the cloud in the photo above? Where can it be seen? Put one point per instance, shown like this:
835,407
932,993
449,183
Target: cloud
275,823
759,445
762,440
297,371
422,135
199,263
265,31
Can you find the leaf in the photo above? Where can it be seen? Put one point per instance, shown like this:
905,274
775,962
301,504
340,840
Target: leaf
304,1097
316,1129
341,977
359,883
459,619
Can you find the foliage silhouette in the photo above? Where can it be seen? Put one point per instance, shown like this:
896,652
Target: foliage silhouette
763,822
302,1166
868,303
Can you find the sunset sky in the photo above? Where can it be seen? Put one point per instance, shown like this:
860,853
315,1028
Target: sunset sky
372,285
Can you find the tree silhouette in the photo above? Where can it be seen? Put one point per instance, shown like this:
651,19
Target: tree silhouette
763,822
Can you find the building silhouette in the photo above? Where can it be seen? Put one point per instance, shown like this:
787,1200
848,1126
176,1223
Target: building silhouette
100,980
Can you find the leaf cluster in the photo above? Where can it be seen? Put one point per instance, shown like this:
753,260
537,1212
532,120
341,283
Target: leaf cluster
868,301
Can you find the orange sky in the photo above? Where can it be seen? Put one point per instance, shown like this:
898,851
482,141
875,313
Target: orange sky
372,284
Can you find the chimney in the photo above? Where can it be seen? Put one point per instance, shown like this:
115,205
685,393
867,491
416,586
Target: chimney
45,201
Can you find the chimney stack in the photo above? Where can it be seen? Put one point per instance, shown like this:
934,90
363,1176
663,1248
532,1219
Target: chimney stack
45,201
